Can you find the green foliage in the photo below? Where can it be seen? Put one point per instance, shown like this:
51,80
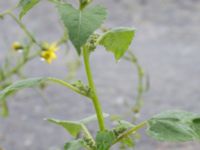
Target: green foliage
104,140
81,23
84,3
21,85
72,127
82,87
142,83
75,127
74,145
32,82
176,126
26,5
117,40
127,142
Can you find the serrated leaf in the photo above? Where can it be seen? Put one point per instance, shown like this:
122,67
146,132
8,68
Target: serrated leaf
177,126
72,127
104,140
117,41
74,145
26,5
81,23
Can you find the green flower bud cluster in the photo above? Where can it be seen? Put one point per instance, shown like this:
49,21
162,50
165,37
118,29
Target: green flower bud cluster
89,143
119,130
92,42
83,88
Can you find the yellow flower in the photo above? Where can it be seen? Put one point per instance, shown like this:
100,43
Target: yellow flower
17,46
49,52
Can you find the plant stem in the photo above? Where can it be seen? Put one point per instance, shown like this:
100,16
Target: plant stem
20,65
94,97
23,27
68,85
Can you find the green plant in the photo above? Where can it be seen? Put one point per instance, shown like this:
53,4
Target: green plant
28,50
82,24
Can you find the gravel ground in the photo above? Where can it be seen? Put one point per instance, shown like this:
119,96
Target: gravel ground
167,45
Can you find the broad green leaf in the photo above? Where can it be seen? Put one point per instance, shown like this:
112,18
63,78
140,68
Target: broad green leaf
81,23
117,40
73,127
74,145
174,126
104,140
26,5
21,85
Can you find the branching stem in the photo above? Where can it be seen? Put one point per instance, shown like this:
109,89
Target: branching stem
131,131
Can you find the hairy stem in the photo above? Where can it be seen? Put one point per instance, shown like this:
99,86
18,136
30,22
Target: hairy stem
94,97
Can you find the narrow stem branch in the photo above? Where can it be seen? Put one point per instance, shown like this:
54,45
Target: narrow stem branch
20,65
68,85
8,11
94,98
131,131
23,27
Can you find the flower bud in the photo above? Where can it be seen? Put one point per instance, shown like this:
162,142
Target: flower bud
17,46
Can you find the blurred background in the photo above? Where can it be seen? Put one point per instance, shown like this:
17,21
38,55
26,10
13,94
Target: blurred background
167,45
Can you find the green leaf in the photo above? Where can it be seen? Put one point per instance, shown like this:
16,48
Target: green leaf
104,140
175,126
26,5
73,127
81,23
74,145
117,40
21,85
